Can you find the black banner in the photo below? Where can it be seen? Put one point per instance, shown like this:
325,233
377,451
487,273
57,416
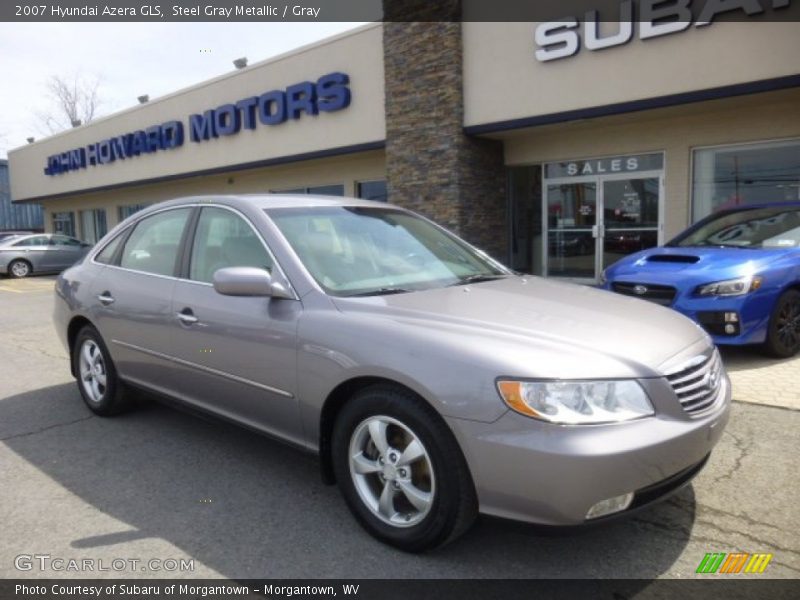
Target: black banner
396,10
709,588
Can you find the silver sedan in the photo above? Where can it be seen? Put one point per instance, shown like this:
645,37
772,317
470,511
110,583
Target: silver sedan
432,382
28,254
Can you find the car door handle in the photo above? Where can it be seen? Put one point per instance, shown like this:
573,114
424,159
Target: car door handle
186,316
106,298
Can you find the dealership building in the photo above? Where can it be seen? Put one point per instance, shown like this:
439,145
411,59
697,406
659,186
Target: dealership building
556,147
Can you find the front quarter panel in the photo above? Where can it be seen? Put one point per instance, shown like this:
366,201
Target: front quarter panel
336,347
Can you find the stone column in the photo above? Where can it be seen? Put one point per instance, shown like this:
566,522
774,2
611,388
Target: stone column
432,166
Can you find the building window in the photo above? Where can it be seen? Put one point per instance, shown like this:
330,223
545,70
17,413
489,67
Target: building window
64,223
323,190
372,190
127,211
93,225
525,219
745,174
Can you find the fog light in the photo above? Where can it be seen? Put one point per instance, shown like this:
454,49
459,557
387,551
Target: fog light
731,317
730,329
609,506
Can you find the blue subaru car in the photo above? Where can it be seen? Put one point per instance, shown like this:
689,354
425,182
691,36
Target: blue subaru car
736,273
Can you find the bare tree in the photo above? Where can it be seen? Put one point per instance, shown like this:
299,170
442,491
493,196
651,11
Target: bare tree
74,101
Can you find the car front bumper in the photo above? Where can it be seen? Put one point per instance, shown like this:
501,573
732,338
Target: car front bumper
753,312
527,470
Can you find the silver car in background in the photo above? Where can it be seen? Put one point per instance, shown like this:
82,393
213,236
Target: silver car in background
29,254
433,382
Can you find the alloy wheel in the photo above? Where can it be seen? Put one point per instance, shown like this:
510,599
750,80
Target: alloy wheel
92,368
20,269
392,471
788,325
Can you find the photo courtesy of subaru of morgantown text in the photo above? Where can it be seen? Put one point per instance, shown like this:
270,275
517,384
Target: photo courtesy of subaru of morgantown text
525,398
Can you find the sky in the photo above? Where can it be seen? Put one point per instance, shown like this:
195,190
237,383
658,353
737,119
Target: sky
130,59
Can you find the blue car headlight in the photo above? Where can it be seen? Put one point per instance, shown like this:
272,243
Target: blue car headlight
731,287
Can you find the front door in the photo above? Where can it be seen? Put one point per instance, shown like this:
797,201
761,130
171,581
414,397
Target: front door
630,217
236,356
599,211
572,225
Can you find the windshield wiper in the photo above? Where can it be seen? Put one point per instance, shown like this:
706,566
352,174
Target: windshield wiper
708,245
381,292
477,279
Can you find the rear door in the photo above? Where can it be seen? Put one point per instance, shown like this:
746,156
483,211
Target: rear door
236,355
34,249
64,252
133,298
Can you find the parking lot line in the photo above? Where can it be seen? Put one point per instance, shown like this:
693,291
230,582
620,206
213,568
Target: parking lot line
23,286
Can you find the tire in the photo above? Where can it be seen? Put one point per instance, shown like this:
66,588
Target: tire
98,383
430,500
783,335
19,268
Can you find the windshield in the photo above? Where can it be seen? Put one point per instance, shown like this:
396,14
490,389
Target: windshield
774,227
361,251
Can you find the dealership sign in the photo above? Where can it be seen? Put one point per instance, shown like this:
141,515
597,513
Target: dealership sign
562,38
329,93
605,166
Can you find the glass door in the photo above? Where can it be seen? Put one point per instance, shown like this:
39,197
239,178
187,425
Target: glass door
630,216
572,212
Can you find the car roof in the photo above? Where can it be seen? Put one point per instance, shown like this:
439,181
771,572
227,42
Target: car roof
267,201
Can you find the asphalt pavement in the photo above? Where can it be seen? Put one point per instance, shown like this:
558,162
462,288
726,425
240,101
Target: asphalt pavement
162,485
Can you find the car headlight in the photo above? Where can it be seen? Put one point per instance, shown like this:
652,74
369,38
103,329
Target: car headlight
577,402
731,287
603,277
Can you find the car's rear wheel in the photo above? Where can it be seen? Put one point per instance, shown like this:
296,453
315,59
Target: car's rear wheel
783,337
401,471
19,268
101,389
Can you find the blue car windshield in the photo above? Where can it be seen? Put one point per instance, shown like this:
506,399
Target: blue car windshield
773,227
366,251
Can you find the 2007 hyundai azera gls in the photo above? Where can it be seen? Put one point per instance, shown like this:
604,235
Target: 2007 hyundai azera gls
433,382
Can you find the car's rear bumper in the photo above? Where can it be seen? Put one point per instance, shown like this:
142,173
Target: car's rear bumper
537,472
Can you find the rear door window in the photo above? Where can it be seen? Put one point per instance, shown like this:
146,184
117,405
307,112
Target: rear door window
154,244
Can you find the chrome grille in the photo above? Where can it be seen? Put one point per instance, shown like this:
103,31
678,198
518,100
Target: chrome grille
698,384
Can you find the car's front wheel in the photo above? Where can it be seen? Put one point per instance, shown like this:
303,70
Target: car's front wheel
401,471
783,337
101,389
19,268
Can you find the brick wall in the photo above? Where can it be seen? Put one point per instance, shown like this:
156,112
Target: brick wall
432,167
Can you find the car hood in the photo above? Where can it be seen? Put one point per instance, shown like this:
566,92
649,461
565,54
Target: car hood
694,264
543,317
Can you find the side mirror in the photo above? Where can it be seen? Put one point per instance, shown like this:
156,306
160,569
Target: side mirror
247,281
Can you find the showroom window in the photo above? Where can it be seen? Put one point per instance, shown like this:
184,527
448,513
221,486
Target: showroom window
745,174
93,225
64,223
130,209
372,190
336,189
